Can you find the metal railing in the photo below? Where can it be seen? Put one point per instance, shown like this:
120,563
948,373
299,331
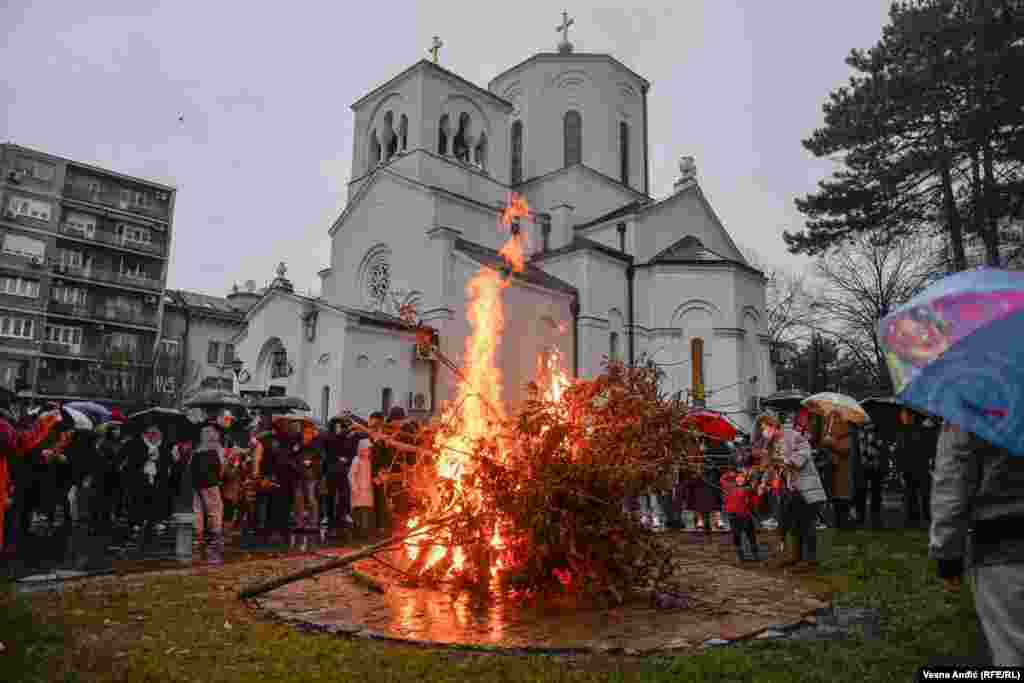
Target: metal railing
103,236
113,199
103,275
102,312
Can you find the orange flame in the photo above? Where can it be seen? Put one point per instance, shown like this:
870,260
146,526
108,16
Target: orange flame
479,393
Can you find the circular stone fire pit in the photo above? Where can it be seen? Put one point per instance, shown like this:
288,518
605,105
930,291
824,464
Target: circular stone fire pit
726,602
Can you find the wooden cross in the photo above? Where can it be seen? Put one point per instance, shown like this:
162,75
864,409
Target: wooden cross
564,28
435,47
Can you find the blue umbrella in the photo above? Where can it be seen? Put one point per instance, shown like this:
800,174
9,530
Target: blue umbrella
957,351
94,411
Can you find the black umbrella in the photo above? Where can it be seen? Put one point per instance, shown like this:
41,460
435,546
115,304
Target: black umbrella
788,400
280,404
213,398
169,421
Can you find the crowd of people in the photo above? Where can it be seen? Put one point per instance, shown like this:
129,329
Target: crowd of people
264,475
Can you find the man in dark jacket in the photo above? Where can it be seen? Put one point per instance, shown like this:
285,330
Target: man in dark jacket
337,460
977,484
147,475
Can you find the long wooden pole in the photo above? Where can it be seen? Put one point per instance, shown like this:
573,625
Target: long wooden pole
309,572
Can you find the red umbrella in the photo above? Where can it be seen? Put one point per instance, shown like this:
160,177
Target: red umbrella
712,424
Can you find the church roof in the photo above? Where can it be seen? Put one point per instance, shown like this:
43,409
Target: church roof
531,273
692,252
624,210
569,56
689,248
204,303
427,64
581,243
643,198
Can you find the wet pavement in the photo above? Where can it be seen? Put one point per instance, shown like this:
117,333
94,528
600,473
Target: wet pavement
726,601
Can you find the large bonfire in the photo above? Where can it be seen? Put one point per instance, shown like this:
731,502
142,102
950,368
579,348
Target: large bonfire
536,500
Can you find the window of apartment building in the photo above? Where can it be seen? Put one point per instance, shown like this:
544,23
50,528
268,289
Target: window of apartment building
29,208
81,222
64,294
63,334
40,170
170,347
13,374
213,352
21,245
140,198
229,353
132,269
71,258
18,328
134,233
93,187
18,286
122,341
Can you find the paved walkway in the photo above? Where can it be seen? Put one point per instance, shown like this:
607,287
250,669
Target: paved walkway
727,601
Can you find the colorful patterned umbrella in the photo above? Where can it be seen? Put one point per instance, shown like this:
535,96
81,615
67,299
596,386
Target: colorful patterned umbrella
829,403
712,424
957,351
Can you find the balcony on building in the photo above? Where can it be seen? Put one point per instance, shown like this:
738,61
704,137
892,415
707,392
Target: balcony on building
135,311
117,193
96,342
86,228
83,263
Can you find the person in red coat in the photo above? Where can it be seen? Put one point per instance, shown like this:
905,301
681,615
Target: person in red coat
740,502
16,444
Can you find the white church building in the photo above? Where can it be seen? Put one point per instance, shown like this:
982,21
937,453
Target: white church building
611,270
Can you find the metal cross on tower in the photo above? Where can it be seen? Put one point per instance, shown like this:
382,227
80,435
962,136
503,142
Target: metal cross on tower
564,28
435,47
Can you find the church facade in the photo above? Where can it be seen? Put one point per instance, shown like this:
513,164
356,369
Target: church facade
611,271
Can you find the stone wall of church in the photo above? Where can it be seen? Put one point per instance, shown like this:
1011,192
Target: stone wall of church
532,316
377,359
388,224
603,93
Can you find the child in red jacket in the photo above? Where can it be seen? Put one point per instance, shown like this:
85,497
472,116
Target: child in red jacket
740,501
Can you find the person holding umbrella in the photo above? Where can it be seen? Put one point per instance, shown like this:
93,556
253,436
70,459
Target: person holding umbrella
954,352
207,472
148,465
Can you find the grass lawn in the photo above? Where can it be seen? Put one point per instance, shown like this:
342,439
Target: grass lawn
191,628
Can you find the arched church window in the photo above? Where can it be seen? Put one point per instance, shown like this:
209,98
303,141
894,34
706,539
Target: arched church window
460,145
613,346
516,171
379,282
389,120
572,128
624,152
480,153
374,149
442,136
403,131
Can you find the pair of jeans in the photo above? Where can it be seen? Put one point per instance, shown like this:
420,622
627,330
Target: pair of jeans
306,494
873,488
208,508
741,526
804,524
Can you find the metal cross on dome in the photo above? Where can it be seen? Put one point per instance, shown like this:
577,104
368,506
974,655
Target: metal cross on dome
564,28
435,48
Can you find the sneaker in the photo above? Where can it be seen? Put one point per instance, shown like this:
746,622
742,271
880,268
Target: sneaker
820,526
769,524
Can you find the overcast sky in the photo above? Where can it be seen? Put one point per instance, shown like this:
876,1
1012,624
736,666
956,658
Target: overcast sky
262,160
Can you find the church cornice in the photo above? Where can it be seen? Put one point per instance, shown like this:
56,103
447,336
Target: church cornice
582,244
425,65
571,57
582,166
729,332
710,265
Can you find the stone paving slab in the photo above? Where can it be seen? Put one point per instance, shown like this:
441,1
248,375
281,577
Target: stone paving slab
727,602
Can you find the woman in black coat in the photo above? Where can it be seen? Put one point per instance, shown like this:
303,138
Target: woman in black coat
147,478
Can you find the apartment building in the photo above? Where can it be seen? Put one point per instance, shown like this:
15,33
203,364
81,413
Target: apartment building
83,267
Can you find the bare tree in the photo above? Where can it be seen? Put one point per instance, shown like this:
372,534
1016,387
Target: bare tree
788,303
866,280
